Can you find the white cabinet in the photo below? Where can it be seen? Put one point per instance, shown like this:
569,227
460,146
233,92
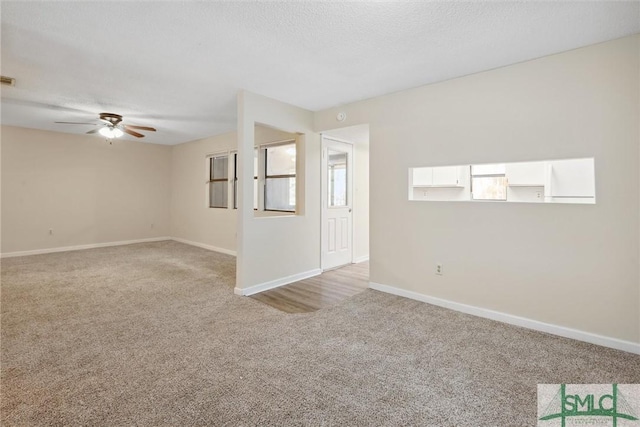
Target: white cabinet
488,169
528,174
446,176
422,177
572,178
441,176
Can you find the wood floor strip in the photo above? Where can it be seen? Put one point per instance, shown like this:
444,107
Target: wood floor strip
315,293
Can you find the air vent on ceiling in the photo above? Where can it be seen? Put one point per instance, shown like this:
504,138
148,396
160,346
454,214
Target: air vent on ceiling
7,81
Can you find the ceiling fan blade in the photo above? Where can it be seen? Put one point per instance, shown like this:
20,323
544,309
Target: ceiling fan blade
76,123
131,132
94,130
140,127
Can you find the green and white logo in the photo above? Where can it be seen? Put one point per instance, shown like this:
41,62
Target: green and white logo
606,405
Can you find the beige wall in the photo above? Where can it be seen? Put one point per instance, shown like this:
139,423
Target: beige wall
361,201
191,217
90,192
568,265
84,189
273,248
265,134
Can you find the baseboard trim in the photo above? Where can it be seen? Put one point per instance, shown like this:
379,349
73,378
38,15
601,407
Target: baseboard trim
562,331
251,290
81,247
204,246
118,243
360,259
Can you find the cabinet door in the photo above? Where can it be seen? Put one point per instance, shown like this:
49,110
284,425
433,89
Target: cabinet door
529,173
422,176
573,178
446,175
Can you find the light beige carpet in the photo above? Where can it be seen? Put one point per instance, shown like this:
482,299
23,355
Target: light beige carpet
152,334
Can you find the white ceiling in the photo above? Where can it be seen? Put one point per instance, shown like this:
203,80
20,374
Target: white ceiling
178,65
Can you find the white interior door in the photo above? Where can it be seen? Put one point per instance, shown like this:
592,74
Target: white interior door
337,203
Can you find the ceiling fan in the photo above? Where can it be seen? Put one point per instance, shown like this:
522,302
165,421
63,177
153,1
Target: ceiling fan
113,126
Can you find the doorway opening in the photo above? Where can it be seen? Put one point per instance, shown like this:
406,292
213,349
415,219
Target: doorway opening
345,197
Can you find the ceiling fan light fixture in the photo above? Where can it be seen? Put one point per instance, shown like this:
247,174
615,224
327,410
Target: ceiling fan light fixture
111,132
112,127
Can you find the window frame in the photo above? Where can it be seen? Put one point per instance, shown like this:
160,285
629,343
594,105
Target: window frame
265,176
211,180
234,179
331,174
260,177
256,179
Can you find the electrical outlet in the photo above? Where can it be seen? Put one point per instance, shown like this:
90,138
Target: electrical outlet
439,269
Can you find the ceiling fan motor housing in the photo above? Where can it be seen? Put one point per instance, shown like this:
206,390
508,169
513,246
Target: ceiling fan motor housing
114,119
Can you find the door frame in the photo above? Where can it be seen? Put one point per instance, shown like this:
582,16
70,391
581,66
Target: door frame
323,195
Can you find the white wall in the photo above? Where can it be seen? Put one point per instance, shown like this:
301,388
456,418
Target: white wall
273,248
87,191
191,217
569,265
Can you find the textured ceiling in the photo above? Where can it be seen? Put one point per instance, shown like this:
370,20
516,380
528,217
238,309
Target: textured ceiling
178,65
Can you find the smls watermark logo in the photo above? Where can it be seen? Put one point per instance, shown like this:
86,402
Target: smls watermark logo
596,405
